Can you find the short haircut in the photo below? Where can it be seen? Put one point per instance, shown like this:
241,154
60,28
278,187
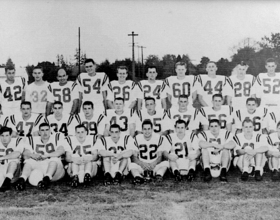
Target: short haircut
147,122
119,99
9,68
122,68
38,67
217,95
214,121
180,64
89,61
247,120
150,98
180,121
81,126
251,99
25,103
6,129
243,63
88,103
211,62
61,68
114,126
183,96
151,67
271,60
44,124
58,103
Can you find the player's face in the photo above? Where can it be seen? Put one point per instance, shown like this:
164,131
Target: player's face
217,102
57,110
150,106
90,67
45,132
37,74
115,134
251,106
122,74
88,110
211,68
147,131
183,103
152,74
62,76
271,66
10,74
214,128
119,105
180,129
26,110
81,134
248,128
181,70
5,137
241,71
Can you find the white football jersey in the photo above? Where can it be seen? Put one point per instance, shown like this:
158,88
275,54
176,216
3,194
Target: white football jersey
223,137
61,126
39,96
176,87
81,149
224,115
182,147
11,95
273,120
210,86
148,149
65,94
22,127
16,144
274,142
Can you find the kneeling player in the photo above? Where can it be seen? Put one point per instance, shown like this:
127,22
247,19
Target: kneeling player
10,151
184,151
147,156
215,146
250,150
115,151
82,157
42,159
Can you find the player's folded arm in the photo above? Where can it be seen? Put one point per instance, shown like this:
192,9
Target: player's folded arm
12,155
27,154
205,144
196,154
125,154
59,152
229,145
106,153
262,149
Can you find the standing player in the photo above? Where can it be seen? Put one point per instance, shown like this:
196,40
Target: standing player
39,93
216,144
93,85
250,151
115,152
181,85
212,84
183,151
223,113
11,92
147,157
152,88
126,89
66,92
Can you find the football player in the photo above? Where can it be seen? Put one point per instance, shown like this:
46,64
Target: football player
66,92
11,92
93,86
10,152
26,123
216,144
153,88
183,151
212,84
42,162
124,88
181,84
223,113
39,93
82,157
115,152
258,115
250,149
147,158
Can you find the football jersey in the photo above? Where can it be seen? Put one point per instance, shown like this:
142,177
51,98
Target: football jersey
155,90
223,137
148,149
189,116
182,147
95,125
258,140
81,149
274,142
62,126
273,120
22,127
16,144
129,91
65,94
259,118
242,90
39,96
210,86
176,87
92,87
224,115
11,95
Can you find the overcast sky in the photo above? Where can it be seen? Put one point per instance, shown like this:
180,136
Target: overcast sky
34,31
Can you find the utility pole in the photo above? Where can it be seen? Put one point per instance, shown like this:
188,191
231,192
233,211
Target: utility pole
133,64
79,53
143,67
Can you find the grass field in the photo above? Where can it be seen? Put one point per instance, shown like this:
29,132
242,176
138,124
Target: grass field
167,200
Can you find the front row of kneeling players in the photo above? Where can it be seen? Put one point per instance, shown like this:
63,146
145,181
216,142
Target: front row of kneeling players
146,154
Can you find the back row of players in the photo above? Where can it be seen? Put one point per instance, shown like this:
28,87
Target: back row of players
93,92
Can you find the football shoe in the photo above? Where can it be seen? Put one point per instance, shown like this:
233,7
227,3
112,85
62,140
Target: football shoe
20,184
